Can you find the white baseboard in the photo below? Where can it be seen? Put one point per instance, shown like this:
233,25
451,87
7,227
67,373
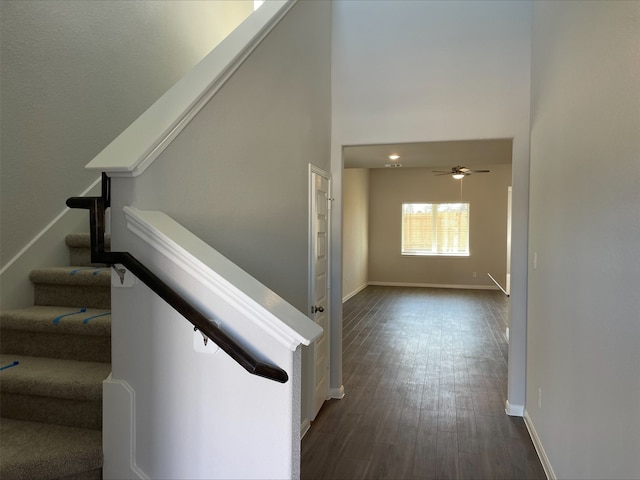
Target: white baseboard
354,293
546,465
337,393
435,285
304,427
514,410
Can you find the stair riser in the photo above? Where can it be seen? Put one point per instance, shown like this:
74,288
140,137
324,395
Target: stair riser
88,475
79,246
69,347
81,257
57,411
72,296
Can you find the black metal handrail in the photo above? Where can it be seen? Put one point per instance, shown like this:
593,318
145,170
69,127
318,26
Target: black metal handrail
96,207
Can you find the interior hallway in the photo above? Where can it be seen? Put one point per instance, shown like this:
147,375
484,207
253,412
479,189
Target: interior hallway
425,375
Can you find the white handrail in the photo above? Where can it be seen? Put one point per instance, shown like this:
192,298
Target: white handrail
141,143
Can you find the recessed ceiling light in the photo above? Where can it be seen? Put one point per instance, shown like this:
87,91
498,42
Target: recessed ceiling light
394,157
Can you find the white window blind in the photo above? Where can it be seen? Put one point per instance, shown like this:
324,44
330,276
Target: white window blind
435,229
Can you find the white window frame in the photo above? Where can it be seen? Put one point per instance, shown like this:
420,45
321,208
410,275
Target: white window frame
436,249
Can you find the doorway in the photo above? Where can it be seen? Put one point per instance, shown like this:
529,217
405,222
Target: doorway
502,153
319,305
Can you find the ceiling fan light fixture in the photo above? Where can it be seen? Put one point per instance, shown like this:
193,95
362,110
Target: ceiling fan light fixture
458,176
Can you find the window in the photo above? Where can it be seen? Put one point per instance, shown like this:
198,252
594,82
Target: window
435,229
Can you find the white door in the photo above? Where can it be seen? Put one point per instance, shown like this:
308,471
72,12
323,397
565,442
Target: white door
319,286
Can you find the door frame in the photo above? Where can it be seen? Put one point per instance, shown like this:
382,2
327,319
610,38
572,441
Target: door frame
308,380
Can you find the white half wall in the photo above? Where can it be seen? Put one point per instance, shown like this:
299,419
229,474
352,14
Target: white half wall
177,407
406,71
584,320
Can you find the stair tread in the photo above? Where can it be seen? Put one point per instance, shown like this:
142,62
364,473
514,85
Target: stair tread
61,320
52,377
74,276
41,450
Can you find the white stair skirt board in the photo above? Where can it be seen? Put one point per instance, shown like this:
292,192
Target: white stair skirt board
539,449
222,278
43,249
140,144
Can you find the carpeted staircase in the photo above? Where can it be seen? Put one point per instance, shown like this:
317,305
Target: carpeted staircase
54,357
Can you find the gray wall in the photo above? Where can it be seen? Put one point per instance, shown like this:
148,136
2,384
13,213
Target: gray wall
584,320
487,196
74,75
237,177
355,240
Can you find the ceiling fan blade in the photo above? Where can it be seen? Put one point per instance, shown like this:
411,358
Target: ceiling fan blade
458,170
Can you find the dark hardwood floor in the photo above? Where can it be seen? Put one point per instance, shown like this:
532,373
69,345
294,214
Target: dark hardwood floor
425,374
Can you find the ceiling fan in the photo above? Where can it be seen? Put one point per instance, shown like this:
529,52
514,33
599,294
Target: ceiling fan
459,172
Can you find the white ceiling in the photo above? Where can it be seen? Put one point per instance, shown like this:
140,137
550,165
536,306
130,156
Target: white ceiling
473,154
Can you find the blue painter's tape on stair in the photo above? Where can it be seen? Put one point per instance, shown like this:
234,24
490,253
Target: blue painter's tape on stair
13,364
73,272
57,319
88,319
96,270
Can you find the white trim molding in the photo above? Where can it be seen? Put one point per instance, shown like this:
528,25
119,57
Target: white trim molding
146,138
119,413
222,278
435,285
546,464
